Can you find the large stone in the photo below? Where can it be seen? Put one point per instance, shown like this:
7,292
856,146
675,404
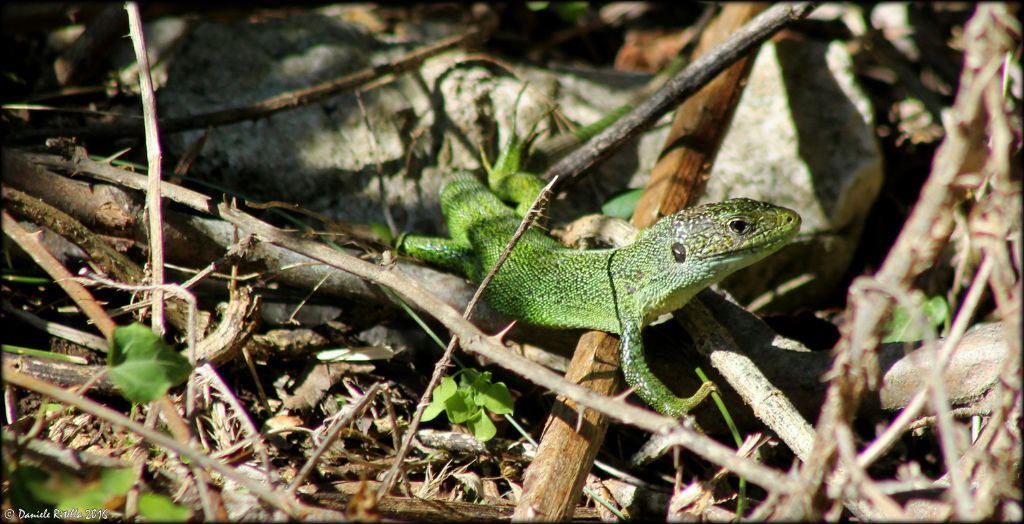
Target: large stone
802,137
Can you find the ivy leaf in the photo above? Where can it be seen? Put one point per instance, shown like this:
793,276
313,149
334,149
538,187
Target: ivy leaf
142,365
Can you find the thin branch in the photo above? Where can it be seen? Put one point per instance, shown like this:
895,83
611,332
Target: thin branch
744,376
888,509
153,157
961,322
208,372
920,242
332,435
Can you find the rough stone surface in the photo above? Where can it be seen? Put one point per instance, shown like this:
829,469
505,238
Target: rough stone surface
325,156
802,137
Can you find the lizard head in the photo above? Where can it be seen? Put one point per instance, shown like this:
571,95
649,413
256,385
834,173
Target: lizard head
685,252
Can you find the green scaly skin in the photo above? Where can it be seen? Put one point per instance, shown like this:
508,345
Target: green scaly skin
615,290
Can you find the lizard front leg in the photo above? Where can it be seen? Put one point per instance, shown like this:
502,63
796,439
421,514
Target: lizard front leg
449,254
647,386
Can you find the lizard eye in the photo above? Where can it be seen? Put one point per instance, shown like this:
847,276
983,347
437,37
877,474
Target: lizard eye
679,252
739,226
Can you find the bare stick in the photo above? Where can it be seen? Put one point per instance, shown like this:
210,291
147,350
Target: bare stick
269,495
920,242
153,157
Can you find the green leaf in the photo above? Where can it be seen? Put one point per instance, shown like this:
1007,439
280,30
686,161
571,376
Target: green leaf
475,384
937,311
162,509
571,11
383,233
117,481
432,410
468,376
496,398
445,389
35,489
482,427
898,327
465,403
901,326
459,409
28,488
622,204
81,498
142,365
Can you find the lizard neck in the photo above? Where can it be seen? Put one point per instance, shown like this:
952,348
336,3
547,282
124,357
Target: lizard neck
646,280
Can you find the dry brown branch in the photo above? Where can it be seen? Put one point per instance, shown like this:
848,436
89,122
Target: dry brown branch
275,498
106,257
681,86
60,274
923,399
239,321
794,372
154,156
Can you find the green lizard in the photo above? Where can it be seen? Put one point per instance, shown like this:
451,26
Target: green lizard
617,290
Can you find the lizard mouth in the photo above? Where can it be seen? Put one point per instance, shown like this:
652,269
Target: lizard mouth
750,253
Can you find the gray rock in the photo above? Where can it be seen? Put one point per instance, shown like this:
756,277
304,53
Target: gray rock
325,158
318,155
802,137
